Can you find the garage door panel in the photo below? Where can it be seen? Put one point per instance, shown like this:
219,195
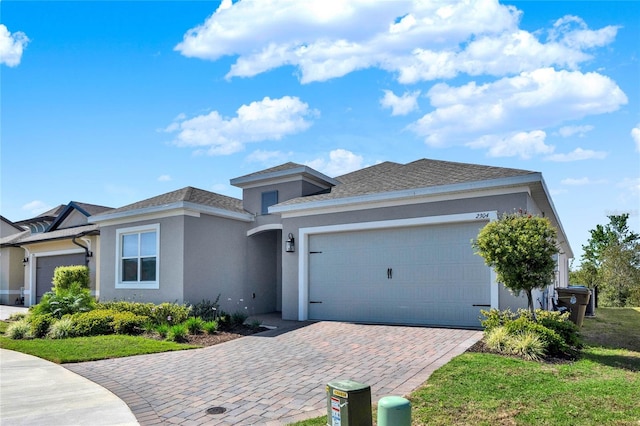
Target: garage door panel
437,279
45,267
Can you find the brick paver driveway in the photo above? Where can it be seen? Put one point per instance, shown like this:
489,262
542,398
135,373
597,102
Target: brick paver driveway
273,378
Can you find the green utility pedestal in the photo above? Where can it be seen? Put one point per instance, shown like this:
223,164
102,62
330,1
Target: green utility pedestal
348,403
394,411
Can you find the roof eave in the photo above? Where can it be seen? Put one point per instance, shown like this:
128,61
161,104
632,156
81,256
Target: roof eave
407,193
130,214
242,182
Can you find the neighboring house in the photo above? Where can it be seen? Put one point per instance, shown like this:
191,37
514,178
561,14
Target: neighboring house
11,263
390,243
60,237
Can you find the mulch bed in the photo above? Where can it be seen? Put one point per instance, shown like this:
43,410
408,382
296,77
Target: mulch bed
205,339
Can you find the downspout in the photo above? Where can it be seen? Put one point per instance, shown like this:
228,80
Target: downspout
88,254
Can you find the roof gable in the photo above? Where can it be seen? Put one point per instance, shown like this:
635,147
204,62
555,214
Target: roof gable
184,198
75,214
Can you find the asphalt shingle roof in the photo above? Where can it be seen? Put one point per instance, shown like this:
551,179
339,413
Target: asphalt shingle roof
187,194
389,177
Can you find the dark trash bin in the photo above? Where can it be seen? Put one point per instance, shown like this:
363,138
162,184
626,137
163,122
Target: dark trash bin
576,299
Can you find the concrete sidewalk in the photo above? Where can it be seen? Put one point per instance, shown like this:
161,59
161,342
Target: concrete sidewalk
34,391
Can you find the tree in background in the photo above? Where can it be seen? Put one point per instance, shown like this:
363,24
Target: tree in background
520,248
611,263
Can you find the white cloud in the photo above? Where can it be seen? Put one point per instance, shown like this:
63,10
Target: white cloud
36,207
522,144
268,119
631,186
219,187
555,192
400,105
11,46
416,40
261,156
524,103
164,178
582,181
635,134
573,32
575,182
568,131
340,162
578,154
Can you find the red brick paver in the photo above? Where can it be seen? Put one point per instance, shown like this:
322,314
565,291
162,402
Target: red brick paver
273,378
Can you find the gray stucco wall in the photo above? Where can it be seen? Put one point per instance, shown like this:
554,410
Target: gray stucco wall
171,263
502,203
215,252
252,197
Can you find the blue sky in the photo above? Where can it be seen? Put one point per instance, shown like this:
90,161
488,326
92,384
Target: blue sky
113,102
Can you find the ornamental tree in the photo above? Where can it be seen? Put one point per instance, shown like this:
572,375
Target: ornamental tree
520,248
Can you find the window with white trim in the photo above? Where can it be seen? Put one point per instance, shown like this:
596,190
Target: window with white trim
137,254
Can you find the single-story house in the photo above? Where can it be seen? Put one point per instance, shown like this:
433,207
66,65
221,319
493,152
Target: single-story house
61,236
390,243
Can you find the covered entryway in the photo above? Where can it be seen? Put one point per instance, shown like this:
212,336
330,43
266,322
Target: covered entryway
45,265
404,275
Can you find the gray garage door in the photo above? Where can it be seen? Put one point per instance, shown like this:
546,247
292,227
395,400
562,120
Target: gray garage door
419,275
45,266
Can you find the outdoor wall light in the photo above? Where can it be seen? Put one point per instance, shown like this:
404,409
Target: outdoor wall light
25,261
290,244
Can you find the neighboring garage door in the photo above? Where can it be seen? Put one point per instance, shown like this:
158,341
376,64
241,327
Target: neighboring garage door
45,265
418,275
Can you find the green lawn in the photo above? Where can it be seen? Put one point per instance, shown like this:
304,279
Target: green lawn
80,349
601,388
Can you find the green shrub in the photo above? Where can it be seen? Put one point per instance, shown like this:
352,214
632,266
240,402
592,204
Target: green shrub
128,323
559,336
20,329
210,327
554,344
561,324
107,321
94,323
206,309
496,318
40,324
65,301
238,318
194,325
177,333
527,345
66,276
497,339
148,326
171,313
62,329
125,306
162,330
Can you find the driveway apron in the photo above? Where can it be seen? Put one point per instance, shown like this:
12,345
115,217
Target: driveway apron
275,377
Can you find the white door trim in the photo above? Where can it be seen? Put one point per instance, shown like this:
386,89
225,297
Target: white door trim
303,242
32,269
